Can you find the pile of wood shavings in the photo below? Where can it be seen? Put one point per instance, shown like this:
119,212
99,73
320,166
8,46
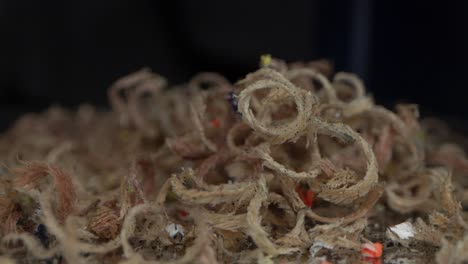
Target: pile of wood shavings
292,164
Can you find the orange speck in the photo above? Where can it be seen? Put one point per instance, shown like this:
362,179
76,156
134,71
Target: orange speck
325,262
371,250
215,122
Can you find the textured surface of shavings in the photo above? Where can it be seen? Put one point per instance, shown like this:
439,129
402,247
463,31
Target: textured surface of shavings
294,163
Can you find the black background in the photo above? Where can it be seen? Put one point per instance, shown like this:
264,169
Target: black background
69,52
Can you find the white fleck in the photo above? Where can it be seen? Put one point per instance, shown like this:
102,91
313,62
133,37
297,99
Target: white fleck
175,230
317,246
404,230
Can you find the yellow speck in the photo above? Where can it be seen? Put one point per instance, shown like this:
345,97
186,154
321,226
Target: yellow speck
265,60
124,135
421,135
390,168
171,197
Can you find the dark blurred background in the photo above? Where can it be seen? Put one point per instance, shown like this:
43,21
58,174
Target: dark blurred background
69,52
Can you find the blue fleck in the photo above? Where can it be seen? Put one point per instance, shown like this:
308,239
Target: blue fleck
41,233
43,236
232,100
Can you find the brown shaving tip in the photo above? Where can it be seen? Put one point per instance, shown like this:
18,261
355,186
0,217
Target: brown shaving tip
292,164
105,223
30,176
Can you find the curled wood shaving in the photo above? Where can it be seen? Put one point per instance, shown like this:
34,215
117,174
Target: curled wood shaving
223,162
29,178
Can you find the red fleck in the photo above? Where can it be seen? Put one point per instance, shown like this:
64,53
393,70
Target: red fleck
183,213
215,123
307,196
371,250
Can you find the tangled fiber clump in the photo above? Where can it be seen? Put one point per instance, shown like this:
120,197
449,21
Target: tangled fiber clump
291,164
